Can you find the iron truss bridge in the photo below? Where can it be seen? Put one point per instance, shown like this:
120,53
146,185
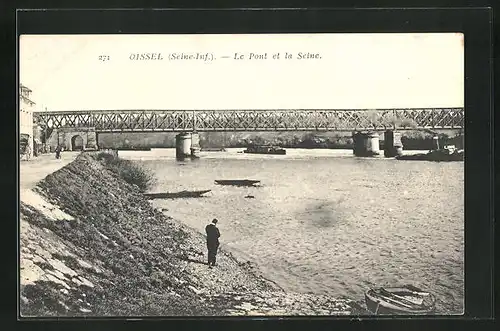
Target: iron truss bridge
253,120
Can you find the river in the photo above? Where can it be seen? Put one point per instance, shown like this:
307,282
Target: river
326,222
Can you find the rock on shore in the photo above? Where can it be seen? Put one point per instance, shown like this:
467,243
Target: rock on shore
112,254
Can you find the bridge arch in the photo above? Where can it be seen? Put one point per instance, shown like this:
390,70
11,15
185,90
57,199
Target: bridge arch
77,143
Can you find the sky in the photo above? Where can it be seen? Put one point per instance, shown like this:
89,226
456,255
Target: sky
354,71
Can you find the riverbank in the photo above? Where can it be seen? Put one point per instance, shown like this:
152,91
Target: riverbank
91,245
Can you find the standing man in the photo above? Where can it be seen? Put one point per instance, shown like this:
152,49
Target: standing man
213,235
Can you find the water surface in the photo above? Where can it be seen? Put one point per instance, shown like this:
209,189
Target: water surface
326,222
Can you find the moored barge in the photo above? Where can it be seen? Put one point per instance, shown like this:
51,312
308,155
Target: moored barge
265,150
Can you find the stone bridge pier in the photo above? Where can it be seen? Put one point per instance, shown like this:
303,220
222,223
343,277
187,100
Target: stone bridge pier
187,145
72,139
368,143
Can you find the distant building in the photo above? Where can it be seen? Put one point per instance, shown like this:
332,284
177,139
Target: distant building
26,108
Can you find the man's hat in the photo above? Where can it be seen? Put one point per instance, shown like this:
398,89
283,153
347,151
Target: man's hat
214,220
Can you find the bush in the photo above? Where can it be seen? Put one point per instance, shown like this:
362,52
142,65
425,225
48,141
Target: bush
408,123
107,157
373,118
131,172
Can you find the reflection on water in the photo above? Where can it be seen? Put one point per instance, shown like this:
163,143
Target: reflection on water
326,222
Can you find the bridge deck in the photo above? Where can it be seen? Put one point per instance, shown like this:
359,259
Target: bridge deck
254,120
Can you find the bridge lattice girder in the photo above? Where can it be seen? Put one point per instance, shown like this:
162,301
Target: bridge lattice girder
254,120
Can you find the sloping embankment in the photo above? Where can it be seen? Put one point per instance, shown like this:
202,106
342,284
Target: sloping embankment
92,245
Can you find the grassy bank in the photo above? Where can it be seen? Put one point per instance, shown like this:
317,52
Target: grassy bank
114,255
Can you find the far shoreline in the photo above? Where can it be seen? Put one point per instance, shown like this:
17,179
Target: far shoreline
235,153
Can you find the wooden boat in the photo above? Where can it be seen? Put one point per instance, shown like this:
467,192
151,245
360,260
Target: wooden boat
212,149
237,182
403,300
265,150
173,195
131,148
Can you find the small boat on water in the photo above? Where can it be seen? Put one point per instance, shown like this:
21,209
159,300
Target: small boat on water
446,154
403,300
173,195
213,149
132,148
237,182
265,150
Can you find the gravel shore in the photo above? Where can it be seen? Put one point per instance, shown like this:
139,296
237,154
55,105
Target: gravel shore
91,245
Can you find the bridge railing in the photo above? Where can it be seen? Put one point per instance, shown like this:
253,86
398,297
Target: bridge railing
255,120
